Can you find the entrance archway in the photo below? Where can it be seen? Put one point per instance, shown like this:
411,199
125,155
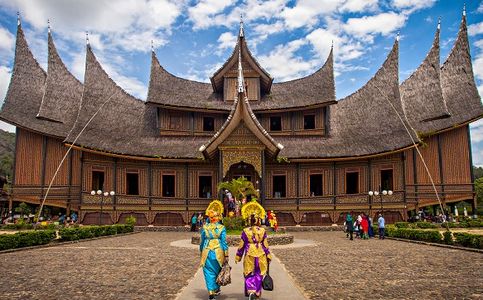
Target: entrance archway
243,169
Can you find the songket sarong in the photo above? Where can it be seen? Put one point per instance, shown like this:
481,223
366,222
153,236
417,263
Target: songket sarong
254,247
213,249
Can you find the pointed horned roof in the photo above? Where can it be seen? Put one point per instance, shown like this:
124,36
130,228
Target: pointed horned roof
421,93
63,92
364,123
458,85
26,91
241,112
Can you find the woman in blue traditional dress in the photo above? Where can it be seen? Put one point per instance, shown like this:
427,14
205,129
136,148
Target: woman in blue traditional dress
214,251
257,257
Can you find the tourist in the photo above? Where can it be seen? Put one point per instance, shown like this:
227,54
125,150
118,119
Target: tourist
371,229
257,257
194,220
214,251
365,227
73,217
381,222
61,219
200,220
349,226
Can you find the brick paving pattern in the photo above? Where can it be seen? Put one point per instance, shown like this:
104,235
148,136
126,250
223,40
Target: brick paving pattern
337,268
137,266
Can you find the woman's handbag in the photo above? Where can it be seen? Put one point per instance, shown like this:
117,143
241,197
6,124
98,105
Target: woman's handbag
267,283
224,277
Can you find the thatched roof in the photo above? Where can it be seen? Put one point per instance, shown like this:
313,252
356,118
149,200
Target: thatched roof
170,91
25,93
421,93
62,92
458,86
363,123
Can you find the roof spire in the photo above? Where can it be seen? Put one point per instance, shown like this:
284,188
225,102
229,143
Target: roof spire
398,37
48,25
332,45
152,46
439,23
18,18
241,84
87,38
241,34
464,9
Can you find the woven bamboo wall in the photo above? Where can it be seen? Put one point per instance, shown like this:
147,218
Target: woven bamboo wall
55,152
455,156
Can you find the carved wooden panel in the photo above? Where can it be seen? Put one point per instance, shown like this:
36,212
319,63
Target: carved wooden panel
28,164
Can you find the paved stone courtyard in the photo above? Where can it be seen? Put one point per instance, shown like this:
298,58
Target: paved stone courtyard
145,266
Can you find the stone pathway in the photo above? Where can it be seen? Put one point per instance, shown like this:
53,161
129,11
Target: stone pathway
284,286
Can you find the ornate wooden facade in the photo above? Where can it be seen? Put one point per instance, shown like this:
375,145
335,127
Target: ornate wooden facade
313,158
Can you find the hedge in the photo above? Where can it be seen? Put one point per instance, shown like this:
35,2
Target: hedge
469,240
414,234
26,239
85,232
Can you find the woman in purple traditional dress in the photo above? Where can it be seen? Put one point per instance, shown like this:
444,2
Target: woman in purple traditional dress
257,257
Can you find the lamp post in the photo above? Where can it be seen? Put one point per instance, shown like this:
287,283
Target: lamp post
380,194
102,194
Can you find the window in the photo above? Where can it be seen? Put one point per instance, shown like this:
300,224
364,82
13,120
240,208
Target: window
168,186
97,180
279,186
316,185
386,180
309,122
352,183
208,124
276,123
132,184
204,184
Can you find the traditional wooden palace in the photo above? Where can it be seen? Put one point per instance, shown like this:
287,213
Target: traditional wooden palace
312,158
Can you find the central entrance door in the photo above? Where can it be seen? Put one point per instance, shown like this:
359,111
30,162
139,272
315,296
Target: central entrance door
243,169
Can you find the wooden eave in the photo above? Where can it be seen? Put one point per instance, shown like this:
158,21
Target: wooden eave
217,80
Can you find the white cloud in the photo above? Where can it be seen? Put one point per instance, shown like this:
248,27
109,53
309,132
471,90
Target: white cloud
227,40
207,12
475,29
7,127
7,40
283,63
480,8
411,6
359,5
306,12
368,26
477,131
5,75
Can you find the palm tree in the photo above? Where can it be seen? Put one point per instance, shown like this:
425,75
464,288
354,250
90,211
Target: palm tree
240,188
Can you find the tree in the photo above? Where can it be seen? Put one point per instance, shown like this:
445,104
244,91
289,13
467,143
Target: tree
239,188
477,172
479,192
23,209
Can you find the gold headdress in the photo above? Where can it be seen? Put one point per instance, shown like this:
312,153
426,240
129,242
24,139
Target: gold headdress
215,209
253,208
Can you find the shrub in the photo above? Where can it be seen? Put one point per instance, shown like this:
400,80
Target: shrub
131,220
415,234
448,238
402,224
85,232
426,225
469,240
26,239
236,223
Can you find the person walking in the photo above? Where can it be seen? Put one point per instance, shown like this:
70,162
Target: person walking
213,248
365,227
257,258
381,223
371,229
349,226
194,221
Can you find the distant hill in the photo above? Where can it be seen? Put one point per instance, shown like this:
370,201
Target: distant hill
7,149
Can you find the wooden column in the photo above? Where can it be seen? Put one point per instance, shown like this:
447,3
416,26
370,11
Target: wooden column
440,161
369,168
192,123
150,183
15,156
334,183
186,190
403,160
81,179
70,182
262,179
415,177
114,184
298,185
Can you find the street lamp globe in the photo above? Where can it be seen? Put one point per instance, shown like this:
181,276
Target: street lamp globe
376,193
384,192
389,192
99,192
106,194
112,193
371,193
93,193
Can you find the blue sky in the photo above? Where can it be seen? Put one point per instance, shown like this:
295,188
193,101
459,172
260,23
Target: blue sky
193,38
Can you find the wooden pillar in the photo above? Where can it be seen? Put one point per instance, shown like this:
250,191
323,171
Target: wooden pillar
81,183
403,160
334,183
70,182
292,122
415,177
297,182
186,190
150,179
369,168
192,123
114,184
262,180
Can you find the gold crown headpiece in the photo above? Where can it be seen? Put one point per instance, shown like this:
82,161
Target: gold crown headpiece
215,209
253,208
